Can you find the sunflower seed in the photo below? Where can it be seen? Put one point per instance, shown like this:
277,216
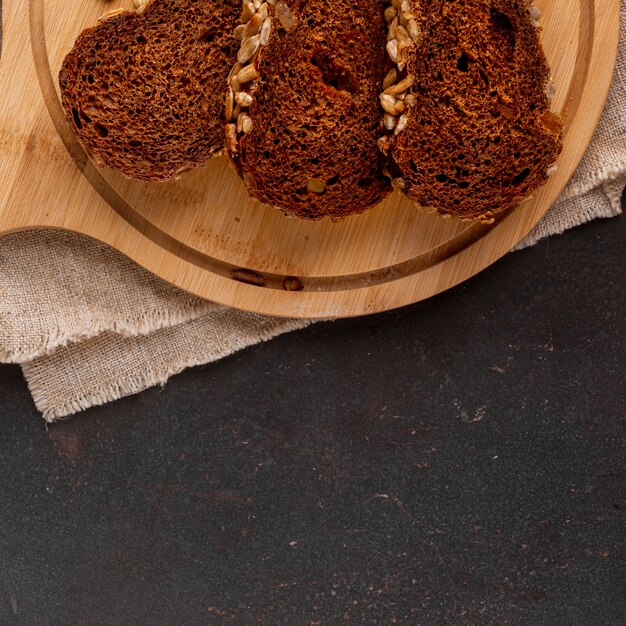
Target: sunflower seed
265,31
401,34
389,104
246,124
235,84
248,49
230,104
413,30
238,32
402,122
391,33
403,51
244,99
405,17
315,185
390,121
391,78
390,13
247,12
286,18
234,70
247,74
253,26
110,14
392,50
398,88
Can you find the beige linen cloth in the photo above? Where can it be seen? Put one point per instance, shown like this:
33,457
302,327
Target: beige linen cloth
89,326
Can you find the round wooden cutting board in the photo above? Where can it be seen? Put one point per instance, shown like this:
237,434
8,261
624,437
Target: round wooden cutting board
205,235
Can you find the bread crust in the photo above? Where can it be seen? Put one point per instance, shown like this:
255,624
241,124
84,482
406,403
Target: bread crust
477,135
303,133
143,90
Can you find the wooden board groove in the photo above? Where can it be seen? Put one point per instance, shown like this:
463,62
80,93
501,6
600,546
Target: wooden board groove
205,235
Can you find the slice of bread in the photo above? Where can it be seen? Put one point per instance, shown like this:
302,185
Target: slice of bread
468,124
144,90
302,106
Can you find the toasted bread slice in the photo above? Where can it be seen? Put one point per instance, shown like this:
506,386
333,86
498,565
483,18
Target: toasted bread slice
302,106
468,124
144,90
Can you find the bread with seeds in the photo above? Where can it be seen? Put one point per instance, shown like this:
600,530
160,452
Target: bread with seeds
144,90
302,105
468,126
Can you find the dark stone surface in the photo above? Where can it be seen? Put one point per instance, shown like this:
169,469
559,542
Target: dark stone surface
460,461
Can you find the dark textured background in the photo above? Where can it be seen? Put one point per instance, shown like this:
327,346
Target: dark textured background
460,461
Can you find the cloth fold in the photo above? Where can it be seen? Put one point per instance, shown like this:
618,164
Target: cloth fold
88,326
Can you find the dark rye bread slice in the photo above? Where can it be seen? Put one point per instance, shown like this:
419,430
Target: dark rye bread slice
306,115
144,91
477,135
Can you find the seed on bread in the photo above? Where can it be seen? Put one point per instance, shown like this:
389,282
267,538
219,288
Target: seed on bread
112,13
253,27
248,49
389,121
316,186
247,12
402,122
243,98
413,29
244,123
247,74
390,78
552,170
391,33
390,13
389,104
265,31
230,103
392,50
401,34
400,86
235,84
535,13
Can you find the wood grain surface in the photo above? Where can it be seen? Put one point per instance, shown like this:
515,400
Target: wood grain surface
205,235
